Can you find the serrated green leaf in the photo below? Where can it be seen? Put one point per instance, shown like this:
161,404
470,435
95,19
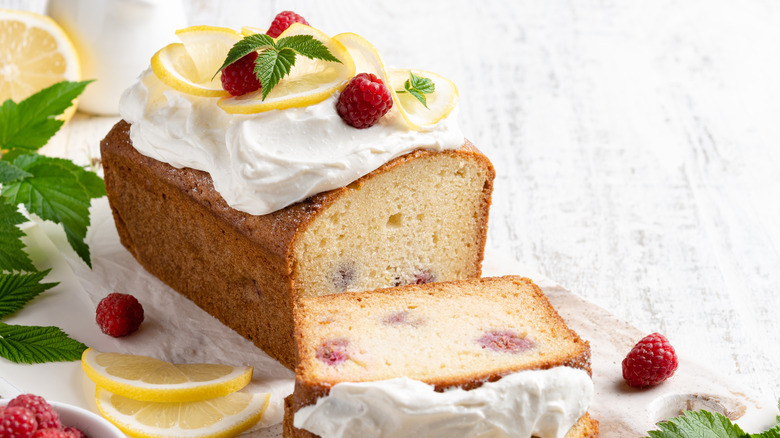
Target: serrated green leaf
271,66
307,46
423,84
28,125
56,193
418,95
11,173
32,344
12,255
702,424
247,45
18,289
771,433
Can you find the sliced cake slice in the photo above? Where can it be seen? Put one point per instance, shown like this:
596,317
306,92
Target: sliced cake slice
486,357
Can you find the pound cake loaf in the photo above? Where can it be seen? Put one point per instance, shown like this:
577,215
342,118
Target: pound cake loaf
487,357
421,217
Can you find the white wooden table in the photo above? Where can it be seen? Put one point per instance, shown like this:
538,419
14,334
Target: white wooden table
636,143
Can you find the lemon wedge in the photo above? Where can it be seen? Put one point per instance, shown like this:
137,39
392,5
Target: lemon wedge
310,80
148,379
34,53
189,66
416,116
219,417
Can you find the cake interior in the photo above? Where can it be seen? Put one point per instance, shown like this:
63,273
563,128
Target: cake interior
417,223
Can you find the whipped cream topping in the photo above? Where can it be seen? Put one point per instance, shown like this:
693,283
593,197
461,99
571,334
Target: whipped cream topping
263,162
542,403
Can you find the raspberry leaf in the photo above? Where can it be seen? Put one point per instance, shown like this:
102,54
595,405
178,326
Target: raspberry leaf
28,125
11,173
23,344
58,191
271,66
418,86
698,424
17,289
247,45
12,256
307,46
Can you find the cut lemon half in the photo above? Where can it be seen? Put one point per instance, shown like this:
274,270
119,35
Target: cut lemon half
34,53
310,80
189,66
416,116
149,379
225,416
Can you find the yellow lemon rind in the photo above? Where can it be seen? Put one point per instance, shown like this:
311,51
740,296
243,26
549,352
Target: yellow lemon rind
175,80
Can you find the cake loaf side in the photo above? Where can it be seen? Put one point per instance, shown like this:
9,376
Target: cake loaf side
241,268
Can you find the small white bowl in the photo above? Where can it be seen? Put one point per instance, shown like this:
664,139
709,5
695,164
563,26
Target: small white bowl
92,424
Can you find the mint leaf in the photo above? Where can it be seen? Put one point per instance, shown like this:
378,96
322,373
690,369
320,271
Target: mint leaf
12,256
22,344
418,87
17,289
276,58
271,66
10,173
27,126
58,191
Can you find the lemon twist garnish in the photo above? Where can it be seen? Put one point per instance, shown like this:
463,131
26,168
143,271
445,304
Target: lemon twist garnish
34,53
149,379
189,66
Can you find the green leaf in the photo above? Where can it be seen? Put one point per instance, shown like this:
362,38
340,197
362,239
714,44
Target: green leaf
59,191
247,45
17,289
307,46
11,173
23,344
701,424
418,86
771,433
271,66
12,256
28,125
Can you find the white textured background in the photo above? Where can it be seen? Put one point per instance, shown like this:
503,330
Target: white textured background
637,146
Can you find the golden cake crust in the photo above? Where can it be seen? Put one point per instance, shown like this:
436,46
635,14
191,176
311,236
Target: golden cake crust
237,266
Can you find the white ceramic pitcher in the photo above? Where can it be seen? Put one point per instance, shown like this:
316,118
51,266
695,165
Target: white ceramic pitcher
115,40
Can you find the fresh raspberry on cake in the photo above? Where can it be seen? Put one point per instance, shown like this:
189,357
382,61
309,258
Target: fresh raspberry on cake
364,101
239,77
119,314
45,415
650,362
282,21
17,422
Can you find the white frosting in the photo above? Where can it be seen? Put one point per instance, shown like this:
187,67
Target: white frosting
264,162
544,403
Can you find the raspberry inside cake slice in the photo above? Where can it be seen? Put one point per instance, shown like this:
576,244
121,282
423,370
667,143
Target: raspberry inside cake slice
447,359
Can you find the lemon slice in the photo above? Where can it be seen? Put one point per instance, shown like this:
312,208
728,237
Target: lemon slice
148,379
416,116
189,66
225,416
251,30
34,54
310,81
440,103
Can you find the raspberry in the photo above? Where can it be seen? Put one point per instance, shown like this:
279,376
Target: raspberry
504,341
17,422
51,433
74,432
45,415
119,314
333,352
364,101
239,77
650,362
282,21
